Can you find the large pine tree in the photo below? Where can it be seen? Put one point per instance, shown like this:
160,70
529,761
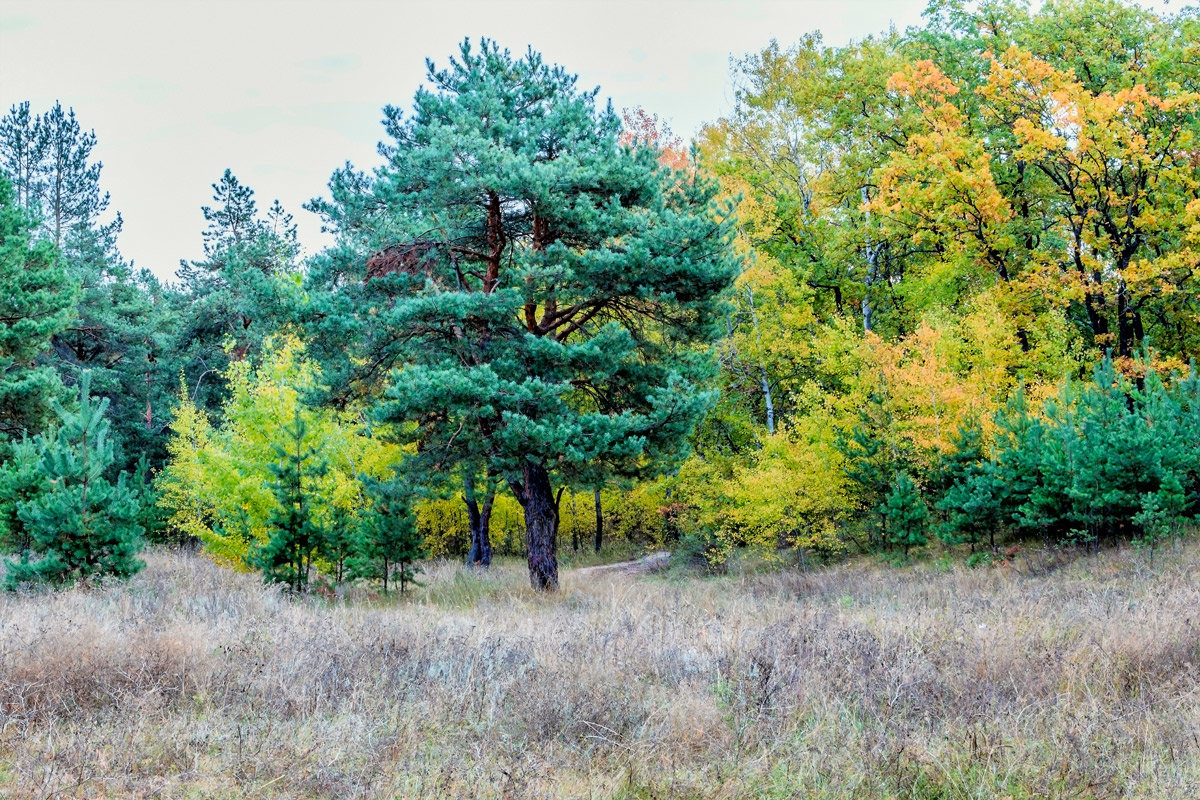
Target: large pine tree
120,330
239,293
540,288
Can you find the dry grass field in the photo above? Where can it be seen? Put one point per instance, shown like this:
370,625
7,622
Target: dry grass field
1058,676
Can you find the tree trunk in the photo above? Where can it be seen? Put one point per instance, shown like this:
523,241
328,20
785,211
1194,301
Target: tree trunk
479,519
599,523
536,497
1129,323
762,370
871,251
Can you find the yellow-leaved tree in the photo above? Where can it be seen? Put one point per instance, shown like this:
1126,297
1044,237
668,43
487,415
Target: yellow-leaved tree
217,484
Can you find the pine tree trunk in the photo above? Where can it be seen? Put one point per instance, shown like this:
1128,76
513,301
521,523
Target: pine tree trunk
541,526
479,519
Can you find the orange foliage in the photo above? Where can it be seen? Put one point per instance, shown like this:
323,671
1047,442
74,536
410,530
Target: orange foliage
643,129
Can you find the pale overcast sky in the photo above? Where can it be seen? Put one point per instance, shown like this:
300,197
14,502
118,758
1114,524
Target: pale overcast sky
284,92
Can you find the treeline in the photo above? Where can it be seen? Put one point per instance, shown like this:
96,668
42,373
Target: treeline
518,303
943,225
938,284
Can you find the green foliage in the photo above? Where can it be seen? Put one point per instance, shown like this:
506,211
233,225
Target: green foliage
120,331
524,296
339,540
216,485
541,307
81,525
388,545
1110,459
293,535
243,291
967,491
21,481
36,302
905,514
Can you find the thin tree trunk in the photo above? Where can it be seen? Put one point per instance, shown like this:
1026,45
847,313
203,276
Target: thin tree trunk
762,370
1129,323
872,257
536,497
479,519
599,523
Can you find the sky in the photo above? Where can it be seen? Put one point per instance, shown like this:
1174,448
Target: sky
283,93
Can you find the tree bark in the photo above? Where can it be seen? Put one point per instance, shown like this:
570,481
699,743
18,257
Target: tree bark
871,251
1129,323
536,497
479,519
762,370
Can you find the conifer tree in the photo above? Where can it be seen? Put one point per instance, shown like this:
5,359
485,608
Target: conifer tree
339,542
541,287
121,331
239,294
20,482
906,515
36,302
295,537
389,544
81,525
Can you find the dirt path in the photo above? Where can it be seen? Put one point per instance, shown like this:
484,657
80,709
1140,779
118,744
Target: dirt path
651,562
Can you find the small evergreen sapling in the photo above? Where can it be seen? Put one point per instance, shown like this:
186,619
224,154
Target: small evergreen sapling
906,515
295,537
388,539
81,525
339,543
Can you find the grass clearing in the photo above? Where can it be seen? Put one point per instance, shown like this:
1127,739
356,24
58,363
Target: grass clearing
1056,676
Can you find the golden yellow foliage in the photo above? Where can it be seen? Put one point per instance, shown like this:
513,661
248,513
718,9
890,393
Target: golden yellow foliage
217,484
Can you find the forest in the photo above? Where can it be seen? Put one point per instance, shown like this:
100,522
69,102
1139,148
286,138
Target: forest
935,288
891,369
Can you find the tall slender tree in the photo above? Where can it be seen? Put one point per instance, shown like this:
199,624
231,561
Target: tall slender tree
36,302
294,537
120,331
240,293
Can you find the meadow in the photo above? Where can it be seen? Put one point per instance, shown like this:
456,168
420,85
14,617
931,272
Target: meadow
1058,675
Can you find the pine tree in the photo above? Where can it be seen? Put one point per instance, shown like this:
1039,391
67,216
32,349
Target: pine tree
240,293
36,302
295,536
20,482
120,331
82,525
388,544
541,288
907,517
22,151
339,542
965,492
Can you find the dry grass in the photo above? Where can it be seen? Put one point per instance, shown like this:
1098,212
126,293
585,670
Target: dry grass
1051,678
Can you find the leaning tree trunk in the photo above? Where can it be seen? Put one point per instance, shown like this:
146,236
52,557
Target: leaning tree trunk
541,526
479,519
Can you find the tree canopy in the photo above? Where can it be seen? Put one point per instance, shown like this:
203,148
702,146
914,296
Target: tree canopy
538,288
